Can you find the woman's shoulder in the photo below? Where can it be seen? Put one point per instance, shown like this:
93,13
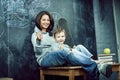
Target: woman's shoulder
55,44
36,29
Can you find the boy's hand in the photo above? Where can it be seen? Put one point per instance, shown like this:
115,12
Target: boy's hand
61,46
74,46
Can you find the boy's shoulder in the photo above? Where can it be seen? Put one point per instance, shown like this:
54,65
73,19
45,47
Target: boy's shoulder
55,44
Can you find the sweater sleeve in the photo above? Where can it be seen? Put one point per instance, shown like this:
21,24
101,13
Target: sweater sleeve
34,40
46,42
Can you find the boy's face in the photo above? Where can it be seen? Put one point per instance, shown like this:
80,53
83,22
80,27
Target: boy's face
60,37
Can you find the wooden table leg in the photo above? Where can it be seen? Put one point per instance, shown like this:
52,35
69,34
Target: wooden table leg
42,76
116,68
71,75
84,77
119,73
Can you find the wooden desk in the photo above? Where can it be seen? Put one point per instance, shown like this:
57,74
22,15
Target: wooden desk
116,68
71,71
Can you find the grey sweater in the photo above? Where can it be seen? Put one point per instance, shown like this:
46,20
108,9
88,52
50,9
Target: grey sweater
41,48
56,47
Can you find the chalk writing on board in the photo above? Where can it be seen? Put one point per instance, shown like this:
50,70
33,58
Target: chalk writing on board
37,5
19,19
16,14
40,4
56,16
1,27
1,32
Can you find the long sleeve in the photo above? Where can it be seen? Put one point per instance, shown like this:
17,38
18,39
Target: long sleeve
34,41
42,47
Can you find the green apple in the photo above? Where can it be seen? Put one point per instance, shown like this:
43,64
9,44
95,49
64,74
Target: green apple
107,51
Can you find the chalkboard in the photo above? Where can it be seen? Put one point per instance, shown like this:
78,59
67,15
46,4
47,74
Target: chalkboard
17,24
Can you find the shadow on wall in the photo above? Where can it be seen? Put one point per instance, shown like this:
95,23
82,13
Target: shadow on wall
28,67
62,22
18,65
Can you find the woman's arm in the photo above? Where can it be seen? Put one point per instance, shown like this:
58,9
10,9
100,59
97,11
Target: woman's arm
35,41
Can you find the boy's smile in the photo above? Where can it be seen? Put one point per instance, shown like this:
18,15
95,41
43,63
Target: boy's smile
60,37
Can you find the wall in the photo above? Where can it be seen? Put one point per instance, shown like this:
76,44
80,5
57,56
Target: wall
17,24
105,29
116,8
104,25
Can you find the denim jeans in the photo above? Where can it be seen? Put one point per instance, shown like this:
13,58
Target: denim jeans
60,57
83,50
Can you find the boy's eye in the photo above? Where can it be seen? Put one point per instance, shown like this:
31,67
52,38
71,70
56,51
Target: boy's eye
58,36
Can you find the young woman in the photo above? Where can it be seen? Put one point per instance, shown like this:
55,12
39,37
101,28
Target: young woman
42,42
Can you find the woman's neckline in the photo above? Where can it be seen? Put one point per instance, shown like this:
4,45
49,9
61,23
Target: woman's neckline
44,32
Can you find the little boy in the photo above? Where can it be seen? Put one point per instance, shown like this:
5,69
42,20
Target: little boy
60,37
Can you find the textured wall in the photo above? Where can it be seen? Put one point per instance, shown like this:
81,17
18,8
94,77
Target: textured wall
105,29
104,25
17,23
116,7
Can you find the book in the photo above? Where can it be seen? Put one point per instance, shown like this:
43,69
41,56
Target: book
112,54
106,58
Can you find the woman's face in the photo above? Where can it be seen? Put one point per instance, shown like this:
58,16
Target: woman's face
60,37
45,22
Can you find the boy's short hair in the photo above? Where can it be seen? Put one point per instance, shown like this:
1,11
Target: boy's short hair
59,30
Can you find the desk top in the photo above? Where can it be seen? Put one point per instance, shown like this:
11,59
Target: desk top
73,67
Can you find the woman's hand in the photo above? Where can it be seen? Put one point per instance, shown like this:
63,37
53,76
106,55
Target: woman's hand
39,36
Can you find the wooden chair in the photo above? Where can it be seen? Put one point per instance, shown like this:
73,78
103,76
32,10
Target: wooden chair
70,72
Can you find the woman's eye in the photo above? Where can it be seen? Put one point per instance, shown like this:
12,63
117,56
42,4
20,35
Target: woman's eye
48,20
